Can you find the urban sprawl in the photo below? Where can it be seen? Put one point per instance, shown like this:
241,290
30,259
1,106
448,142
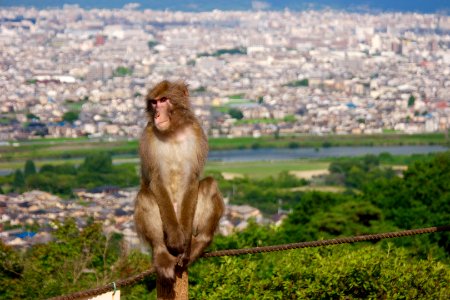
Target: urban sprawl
313,72
72,72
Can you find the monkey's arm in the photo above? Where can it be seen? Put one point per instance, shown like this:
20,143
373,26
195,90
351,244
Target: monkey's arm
175,238
188,207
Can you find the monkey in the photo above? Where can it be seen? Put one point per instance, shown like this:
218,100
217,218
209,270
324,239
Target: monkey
175,212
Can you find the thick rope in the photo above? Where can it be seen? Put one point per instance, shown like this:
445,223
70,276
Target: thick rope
106,288
347,240
234,252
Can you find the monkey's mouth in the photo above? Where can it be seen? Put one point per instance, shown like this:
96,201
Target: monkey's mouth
161,120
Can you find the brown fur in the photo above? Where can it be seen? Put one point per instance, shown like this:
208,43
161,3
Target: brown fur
175,212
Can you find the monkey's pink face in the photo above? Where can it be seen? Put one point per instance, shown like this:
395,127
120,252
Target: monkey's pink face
161,107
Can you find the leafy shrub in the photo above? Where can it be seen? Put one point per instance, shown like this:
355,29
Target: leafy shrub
340,272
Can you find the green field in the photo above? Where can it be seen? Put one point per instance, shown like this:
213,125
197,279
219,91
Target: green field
259,169
319,141
54,150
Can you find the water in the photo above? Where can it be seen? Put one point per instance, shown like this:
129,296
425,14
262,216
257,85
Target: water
272,154
286,154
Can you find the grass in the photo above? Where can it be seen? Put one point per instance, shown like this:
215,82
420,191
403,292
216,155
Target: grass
75,106
258,121
322,188
258,169
80,147
263,169
316,141
236,97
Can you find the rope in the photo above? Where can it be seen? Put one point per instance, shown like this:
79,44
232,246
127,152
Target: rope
234,252
106,288
347,240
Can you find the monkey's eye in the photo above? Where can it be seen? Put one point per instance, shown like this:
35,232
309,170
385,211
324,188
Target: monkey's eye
155,101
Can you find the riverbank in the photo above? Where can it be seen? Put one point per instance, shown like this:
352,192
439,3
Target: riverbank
260,163
81,147
326,141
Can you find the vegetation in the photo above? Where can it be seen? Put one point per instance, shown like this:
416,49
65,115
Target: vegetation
329,141
235,113
411,101
122,72
341,272
75,105
31,81
31,116
264,193
233,51
96,170
236,97
30,168
200,89
152,44
70,116
298,83
258,170
75,260
405,268
81,147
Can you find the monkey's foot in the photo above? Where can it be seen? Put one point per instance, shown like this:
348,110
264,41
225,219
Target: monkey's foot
165,264
182,260
175,242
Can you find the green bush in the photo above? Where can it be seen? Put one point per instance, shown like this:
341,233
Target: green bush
340,272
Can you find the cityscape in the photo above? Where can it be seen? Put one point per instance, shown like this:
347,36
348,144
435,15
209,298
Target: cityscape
72,72
327,124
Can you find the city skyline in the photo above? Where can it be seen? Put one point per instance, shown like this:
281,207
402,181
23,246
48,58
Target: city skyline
429,6
73,72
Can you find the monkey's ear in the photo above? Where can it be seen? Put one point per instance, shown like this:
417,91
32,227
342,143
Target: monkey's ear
185,88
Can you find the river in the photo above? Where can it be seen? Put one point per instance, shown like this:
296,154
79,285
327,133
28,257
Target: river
272,154
298,153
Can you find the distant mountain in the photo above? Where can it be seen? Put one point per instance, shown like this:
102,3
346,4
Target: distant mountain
422,6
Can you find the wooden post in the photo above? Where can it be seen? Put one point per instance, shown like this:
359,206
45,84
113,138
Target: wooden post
173,291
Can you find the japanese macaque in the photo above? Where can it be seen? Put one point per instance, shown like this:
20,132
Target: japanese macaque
175,211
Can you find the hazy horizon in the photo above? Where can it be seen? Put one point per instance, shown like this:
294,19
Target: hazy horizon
421,6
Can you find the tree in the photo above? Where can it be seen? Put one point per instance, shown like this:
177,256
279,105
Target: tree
152,44
18,181
30,168
70,116
298,83
122,72
97,163
11,272
31,116
411,101
341,272
52,183
236,113
67,169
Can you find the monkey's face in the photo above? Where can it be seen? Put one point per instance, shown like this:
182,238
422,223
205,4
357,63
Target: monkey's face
167,103
162,109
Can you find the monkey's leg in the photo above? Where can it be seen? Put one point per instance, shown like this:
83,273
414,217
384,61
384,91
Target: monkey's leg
210,208
149,226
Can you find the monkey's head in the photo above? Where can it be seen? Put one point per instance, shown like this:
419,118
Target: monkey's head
167,102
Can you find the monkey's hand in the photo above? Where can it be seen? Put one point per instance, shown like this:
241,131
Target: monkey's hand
183,259
176,241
